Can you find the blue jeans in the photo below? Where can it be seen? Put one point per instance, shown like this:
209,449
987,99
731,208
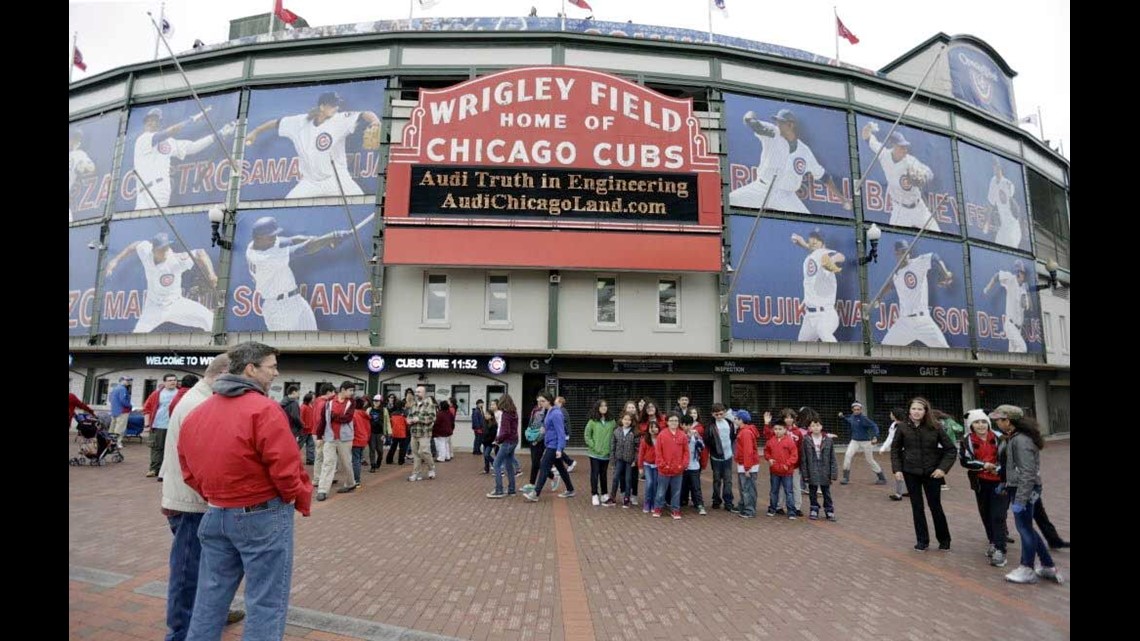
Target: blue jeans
489,454
669,486
1032,545
747,494
623,475
650,502
505,457
779,482
185,552
722,482
257,546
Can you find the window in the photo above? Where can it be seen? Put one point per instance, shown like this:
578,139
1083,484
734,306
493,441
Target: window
102,389
461,399
605,308
435,298
669,302
394,389
1064,334
498,298
1050,219
149,385
494,392
1047,322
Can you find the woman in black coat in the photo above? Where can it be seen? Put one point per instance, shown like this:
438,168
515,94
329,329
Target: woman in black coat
921,455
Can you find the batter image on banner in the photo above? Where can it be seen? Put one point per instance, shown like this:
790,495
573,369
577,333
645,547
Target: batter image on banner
274,258
172,150
168,297
913,180
319,137
911,284
995,202
785,161
820,269
90,149
796,283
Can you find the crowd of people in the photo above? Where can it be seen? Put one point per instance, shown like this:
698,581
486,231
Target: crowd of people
233,465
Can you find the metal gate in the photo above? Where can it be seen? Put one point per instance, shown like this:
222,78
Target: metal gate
582,393
942,396
826,398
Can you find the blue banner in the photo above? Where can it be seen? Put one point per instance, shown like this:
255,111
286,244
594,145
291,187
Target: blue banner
172,148
295,135
1006,302
924,300
912,182
300,269
976,79
800,282
994,190
82,256
794,156
155,284
90,151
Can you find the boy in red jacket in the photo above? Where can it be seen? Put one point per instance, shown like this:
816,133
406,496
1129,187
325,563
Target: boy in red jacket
672,449
747,453
783,456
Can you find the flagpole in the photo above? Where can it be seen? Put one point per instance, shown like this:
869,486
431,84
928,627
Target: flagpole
710,6
562,24
161,19
1040,124
71,63
835,29
272,17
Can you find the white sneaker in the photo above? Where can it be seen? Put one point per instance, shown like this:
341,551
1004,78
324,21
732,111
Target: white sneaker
595,500
998,560
633,499
990,550
1050,574
415,477
567,494
554,483
431,474
530,496
1022,575
572,466
605,498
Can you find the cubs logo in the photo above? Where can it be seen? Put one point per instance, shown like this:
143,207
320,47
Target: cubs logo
164,147
324,141
905,182
799,165
376,363
983,88
497,365
166,280
811,268
910,280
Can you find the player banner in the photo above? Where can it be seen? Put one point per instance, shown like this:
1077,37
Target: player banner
153,283
796,152
90,152
295,135
994,189
912,182
502,192
301,270
924,301
82,256
172,148
976,79
1006,303
800,282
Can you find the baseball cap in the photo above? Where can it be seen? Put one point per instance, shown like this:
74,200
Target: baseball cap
1018,266
896,139
378,397
154,112
786,115
160,240
856,404
816,233
744,416
329,98
126,378
266,226
901,245
1011,412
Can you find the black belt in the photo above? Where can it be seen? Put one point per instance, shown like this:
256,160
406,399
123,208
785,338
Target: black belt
911,206
256,508
1015,325
155,182
815,309
287,294
916,314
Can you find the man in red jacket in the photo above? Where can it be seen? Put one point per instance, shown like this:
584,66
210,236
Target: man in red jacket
237,451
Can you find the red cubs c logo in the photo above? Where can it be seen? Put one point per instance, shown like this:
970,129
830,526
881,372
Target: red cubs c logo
910,280
166,280
324,141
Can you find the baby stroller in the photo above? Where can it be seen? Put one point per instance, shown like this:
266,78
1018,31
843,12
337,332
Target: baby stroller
97,445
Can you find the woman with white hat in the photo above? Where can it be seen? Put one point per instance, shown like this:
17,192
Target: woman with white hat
981,452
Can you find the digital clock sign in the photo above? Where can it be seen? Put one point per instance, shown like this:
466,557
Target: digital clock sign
440,363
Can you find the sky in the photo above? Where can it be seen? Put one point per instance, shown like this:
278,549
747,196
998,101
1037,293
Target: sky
1031,35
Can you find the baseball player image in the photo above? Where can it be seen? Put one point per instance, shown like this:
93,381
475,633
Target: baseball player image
1002,204
906,176
268,256
819,269
910,283
154,149
784,160
78,162
1016,304
319,137
164,268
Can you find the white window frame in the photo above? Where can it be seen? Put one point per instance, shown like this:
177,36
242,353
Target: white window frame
1047,323
616,324
434,322
487,321
1064,331
676,280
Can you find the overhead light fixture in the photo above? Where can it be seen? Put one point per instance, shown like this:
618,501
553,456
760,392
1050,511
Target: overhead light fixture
874,234
1052,283
217,216
97,246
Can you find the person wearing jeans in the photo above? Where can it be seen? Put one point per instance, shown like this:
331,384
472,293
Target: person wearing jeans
623,454
507,438
554,440
747,451
782,453
721,443
672,455
921,454
647,461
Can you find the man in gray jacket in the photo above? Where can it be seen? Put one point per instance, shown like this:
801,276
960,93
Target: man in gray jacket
183,509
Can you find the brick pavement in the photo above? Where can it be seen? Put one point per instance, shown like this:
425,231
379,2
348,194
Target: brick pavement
438,558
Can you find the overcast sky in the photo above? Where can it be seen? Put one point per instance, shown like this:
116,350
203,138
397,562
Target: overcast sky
1032,35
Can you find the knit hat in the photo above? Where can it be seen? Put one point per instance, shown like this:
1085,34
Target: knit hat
977,415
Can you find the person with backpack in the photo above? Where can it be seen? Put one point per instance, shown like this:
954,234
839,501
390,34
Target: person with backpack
293,411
